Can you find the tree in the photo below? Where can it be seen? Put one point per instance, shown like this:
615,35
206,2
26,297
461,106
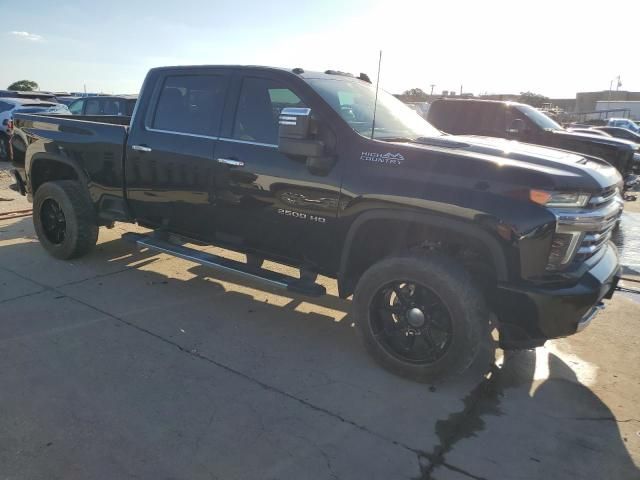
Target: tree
24,86
414,95
534,99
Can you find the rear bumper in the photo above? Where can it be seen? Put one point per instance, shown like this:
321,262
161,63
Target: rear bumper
531,315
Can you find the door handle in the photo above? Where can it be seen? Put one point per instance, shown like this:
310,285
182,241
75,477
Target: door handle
231,162
141,148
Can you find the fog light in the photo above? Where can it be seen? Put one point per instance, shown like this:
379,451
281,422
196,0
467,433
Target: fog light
563,246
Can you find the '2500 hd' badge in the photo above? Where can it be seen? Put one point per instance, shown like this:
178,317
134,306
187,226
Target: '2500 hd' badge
392,159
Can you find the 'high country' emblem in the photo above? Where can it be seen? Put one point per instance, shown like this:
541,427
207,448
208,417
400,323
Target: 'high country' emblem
393,159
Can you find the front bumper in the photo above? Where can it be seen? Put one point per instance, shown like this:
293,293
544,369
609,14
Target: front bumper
531,315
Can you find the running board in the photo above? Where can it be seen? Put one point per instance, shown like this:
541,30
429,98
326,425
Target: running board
275,279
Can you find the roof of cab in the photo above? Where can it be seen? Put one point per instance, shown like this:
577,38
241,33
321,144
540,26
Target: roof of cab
299,72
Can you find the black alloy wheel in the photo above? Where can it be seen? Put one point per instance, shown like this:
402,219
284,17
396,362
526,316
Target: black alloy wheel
411,322
54,222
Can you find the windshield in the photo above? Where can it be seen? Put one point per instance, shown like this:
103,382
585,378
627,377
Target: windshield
354,101
539,118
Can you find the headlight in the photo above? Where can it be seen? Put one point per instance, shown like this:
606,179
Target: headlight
559,199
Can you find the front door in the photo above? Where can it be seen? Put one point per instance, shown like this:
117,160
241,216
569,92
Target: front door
267,201
170,165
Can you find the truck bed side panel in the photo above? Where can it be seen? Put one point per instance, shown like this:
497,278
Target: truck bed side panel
93,149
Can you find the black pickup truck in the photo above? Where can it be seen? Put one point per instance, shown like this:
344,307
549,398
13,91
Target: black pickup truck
439,238
524,123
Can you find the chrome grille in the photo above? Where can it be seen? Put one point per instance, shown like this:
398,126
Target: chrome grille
592,242
604,197
592,226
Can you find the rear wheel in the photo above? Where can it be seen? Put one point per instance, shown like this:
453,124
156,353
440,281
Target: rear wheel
421,317
64,219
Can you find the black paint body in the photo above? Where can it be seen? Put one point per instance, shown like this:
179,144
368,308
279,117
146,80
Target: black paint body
277,207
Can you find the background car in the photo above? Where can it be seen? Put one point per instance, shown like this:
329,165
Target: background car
9,106
620,132
49,97
623,123
121,105
67,99
590,131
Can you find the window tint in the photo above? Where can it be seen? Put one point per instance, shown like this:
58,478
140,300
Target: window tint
112,106
190,104
131,104
93,107
76,107
261,101
4,106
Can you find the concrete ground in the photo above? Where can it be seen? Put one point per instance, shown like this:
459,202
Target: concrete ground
130,364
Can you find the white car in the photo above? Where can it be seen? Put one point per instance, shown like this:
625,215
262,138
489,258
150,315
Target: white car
624,123
9,106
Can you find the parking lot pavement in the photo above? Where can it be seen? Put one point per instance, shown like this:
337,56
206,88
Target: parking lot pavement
133,364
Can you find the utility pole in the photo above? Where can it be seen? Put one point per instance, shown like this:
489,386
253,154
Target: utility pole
433,85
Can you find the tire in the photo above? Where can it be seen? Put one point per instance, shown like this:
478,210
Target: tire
77,219
445,284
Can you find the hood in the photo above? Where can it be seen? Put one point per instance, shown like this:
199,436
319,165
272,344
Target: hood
599,139
558,163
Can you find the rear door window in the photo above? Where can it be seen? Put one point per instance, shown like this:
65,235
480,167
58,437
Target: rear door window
190,104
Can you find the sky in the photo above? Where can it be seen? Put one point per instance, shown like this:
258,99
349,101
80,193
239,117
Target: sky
554,48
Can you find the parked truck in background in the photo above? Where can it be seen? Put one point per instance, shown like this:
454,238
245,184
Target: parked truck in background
438,238
517,121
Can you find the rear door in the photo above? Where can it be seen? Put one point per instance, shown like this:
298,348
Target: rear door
170,165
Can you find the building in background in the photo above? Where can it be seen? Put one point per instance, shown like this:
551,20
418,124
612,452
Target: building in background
587,101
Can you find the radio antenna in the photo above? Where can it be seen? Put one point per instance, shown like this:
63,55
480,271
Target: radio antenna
375,104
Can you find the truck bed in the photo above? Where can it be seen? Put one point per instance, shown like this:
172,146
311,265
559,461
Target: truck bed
92,145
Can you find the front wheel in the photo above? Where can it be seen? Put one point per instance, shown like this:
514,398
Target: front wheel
64,219
421,316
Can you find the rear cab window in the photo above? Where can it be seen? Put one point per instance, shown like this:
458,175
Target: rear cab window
190,104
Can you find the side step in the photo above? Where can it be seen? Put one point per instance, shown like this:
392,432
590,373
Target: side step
220,263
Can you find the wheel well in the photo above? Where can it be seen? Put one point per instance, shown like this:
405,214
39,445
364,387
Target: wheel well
49,170
380,238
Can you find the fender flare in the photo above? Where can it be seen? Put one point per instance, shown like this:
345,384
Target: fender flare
40,157
455,225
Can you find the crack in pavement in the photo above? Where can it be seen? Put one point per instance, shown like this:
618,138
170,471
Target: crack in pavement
18,297
232,370
462,472
482,400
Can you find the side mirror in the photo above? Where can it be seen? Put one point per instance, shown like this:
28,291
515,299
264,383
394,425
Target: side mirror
295,134
517,127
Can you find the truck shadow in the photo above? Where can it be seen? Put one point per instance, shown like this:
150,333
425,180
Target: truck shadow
565,428
307,348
